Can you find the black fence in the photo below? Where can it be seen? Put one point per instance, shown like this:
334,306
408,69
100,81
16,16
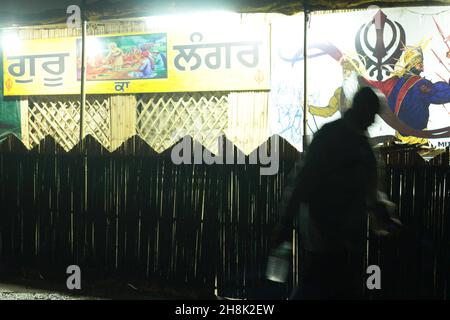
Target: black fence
415,265
133,214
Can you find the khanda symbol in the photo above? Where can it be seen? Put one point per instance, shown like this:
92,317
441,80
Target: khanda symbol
380,57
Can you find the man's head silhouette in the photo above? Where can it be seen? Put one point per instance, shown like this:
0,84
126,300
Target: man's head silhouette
365,106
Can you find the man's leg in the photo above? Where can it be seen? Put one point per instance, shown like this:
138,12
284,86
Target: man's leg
329,275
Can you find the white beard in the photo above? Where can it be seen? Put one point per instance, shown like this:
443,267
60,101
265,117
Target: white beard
350,86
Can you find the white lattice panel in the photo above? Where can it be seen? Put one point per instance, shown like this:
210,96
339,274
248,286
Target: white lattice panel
163,119
97,120
60,118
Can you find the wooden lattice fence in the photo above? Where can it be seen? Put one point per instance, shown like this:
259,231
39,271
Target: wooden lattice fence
159,119
415,265
134,215
59,117
163,119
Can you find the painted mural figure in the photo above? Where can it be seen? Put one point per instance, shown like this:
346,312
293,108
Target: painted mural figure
343,95
160,62
409,95
115,56
146,67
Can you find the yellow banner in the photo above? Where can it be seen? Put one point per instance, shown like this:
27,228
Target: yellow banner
170,61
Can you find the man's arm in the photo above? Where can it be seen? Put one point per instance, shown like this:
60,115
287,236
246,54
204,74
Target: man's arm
301,183
380,209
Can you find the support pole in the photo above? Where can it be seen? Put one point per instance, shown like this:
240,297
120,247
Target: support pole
305,72
83,78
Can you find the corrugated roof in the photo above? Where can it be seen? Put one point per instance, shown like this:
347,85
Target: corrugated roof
26,12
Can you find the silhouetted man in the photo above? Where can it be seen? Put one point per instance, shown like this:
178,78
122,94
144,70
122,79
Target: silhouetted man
336,188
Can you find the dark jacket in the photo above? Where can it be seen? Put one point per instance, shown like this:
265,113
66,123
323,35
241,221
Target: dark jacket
335,180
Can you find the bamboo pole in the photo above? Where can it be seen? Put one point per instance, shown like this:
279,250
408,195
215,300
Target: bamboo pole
83,78
305,71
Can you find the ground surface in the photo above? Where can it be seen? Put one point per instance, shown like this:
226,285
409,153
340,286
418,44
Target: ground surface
20,292
42,289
